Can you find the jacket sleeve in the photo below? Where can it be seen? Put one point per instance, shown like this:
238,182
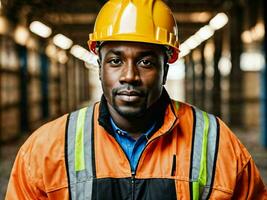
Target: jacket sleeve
249,183
20,184
237,173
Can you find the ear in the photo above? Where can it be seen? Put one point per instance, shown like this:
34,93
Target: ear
166,69
99,69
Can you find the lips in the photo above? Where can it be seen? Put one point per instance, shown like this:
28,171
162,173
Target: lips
129,95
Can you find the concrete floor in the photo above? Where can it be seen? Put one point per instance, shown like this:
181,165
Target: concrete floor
248,137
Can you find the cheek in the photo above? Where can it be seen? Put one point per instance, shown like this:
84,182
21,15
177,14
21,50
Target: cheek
153,79
109,80
154,84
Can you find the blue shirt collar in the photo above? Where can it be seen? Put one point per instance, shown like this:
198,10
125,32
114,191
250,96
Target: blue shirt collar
119,131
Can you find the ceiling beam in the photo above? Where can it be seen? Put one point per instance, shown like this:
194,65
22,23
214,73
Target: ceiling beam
195,5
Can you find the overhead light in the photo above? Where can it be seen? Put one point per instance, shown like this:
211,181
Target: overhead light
62,41
205,32
193,41
218,21
90,58
83,54
184,50
78,51
21,35
40,29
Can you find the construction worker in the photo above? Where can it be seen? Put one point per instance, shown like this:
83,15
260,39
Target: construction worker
136,143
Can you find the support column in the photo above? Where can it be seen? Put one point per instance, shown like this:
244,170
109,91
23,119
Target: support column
193,80
236,76
203,78
22,52
44,85
216,92
263,137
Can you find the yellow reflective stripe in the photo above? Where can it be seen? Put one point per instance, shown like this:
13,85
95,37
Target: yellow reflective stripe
205,143
177,105
195,190
79,141
203,174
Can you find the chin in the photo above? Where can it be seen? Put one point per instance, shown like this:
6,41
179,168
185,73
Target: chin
130,112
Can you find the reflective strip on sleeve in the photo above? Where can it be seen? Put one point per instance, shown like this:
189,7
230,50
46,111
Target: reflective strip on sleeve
203,155
202,178
79,154
213,138
79,141
197,149
197,145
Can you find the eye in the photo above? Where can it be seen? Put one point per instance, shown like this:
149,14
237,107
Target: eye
115,61
145,63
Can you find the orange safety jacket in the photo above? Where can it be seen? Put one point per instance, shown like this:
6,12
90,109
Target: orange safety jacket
193,155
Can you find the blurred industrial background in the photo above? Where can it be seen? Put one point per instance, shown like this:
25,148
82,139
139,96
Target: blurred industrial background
46,69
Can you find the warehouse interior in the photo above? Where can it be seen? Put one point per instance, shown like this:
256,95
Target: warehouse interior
46,69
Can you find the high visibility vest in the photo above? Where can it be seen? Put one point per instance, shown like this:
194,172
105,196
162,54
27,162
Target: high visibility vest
79,144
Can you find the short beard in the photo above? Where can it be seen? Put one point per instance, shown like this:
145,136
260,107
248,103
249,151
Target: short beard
128,114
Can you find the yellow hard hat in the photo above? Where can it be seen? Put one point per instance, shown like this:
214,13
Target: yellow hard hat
149,21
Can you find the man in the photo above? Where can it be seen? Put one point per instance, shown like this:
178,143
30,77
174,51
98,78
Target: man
136,143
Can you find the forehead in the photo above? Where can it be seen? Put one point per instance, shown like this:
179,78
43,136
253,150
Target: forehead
134,47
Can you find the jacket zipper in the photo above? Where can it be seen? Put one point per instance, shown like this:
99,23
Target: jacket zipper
152,141
133,185
147,146
134,172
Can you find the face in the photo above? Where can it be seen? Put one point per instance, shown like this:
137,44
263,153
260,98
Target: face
132,76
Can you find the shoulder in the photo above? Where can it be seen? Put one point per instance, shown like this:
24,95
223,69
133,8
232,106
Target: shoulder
230,144
232,159
48,134
231,147
227,140
235,169
43,154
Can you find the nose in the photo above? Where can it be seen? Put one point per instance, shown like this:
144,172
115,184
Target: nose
130,74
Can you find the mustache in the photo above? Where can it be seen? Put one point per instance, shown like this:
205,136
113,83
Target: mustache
128,89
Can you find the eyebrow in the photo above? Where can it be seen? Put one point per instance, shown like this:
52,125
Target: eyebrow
118,53
147,53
